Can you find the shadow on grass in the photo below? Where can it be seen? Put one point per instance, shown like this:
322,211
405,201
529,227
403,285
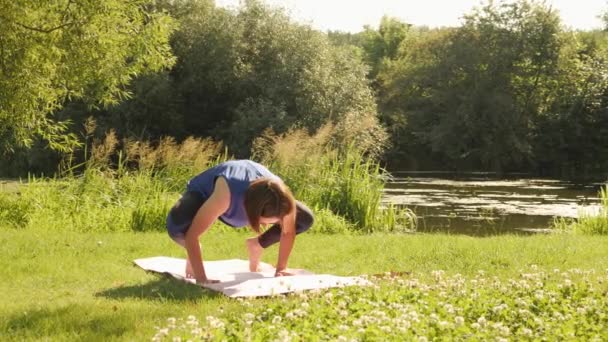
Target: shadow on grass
73,322
163,289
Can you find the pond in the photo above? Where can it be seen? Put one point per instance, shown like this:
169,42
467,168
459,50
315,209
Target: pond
478,204
9,185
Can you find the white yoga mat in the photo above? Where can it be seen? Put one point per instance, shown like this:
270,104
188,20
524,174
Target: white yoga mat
236,280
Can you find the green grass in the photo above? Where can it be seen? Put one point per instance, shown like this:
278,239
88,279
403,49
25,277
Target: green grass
588,224
68,285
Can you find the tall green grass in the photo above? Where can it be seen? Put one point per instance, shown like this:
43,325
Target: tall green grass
130,188
341,180
587,223
131,185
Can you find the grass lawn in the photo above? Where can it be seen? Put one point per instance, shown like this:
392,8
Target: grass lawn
66,285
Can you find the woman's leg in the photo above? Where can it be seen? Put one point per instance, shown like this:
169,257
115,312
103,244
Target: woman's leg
304,220
256,245
181,215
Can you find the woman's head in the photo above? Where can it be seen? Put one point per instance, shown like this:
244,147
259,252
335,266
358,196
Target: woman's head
267,198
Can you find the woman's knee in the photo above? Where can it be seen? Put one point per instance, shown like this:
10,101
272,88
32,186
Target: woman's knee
304,218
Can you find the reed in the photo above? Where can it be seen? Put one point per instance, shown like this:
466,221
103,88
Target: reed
130,185
342,180
596,224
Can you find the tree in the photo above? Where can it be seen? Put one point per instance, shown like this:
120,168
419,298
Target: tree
241,72
471,94
571,135
383,44
52,52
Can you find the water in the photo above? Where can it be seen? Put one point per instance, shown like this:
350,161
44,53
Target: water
9,185
478,204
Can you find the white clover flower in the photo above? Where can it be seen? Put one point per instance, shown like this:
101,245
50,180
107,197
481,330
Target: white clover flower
505,331
343,327
520,302
386,329
305,305
177,339
284,336
482,321
443,324
437,274
276,320
215,322
342,338
526,332
499,308
476,326
459,320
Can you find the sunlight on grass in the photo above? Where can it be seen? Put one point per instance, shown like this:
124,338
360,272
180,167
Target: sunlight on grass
83,285
536,304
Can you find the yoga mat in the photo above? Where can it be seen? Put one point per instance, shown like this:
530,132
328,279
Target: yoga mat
236,280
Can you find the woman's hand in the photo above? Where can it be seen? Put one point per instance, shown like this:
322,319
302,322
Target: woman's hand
282,273
205,281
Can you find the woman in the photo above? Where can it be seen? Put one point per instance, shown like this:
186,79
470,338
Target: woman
240,193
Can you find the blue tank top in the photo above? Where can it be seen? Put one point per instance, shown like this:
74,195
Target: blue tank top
238,174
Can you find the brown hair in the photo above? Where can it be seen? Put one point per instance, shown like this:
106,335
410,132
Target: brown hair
267,197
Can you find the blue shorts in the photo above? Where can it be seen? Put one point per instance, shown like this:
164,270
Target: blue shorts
181,215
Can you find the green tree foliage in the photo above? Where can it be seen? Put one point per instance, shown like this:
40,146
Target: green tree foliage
243,71
571,135
469,94
382,45
52,52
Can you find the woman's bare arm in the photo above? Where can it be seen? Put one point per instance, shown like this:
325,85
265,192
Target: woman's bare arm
288,235
214,207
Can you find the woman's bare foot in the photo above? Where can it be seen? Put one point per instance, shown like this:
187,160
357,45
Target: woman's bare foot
189,272
255,253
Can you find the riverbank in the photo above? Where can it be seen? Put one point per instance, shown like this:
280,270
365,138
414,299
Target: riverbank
66,285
